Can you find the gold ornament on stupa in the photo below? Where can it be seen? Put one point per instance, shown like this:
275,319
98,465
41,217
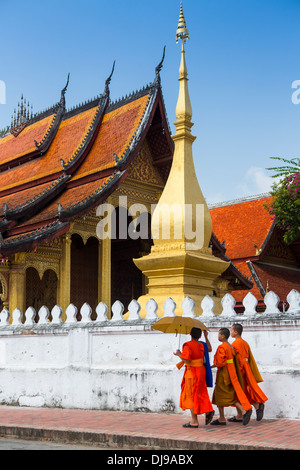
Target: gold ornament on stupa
182,31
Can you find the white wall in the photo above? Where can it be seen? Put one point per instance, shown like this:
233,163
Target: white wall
124,365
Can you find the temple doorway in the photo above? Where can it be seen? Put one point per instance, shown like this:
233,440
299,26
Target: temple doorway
127,281
84,272
41,292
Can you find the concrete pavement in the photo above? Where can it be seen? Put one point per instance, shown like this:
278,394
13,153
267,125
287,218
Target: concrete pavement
144,431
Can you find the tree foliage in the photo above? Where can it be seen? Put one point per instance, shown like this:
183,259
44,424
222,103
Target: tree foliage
285,207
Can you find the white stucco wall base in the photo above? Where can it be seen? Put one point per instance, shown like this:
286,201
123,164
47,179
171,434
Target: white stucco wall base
127,366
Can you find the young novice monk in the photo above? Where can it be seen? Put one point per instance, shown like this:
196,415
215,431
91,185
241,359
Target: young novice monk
228,391
194,395
249,372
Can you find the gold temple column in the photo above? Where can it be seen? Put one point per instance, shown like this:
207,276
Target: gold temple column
104,263
17,284
64,291
105,273
100,275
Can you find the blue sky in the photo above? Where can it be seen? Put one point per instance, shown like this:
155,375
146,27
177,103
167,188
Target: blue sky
242,58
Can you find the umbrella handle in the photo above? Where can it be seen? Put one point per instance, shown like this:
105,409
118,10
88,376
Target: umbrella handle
179,337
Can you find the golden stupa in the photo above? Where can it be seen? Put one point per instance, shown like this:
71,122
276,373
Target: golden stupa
181,262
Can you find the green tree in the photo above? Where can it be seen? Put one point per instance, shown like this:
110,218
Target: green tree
285,207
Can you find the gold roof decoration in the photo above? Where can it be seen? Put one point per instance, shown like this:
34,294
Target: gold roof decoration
182,31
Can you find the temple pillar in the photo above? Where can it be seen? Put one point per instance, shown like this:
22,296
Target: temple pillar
64,290
17,284
100,274
105,273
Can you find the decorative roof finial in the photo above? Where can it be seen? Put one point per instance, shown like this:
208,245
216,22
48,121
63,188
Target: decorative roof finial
159,67
20,119
182,31
63,92
109,79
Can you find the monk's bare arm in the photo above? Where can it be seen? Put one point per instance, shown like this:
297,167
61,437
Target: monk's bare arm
207,341
178,353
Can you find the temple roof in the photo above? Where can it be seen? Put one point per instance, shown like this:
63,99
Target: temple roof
12,148
60,164
256,247
243,224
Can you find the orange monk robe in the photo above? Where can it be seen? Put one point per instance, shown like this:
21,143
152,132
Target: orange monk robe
228,389
249,372
194,394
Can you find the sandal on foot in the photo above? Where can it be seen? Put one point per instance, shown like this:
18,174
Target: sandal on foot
209,416
189,425
246,417
216,422
234,420
260,412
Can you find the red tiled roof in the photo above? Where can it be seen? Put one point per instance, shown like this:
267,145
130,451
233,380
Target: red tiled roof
117,129
11,148
68,137
66,199
247,229
20,197
241,225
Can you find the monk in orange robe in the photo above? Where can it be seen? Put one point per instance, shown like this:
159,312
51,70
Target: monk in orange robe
194,395
228,390
250,373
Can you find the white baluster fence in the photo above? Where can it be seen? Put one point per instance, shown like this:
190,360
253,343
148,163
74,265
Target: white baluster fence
250,302
123,364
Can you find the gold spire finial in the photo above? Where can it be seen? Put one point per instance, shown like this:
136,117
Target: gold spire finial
183,108
182,31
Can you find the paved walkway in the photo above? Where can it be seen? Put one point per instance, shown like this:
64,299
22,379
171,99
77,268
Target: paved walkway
141,431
